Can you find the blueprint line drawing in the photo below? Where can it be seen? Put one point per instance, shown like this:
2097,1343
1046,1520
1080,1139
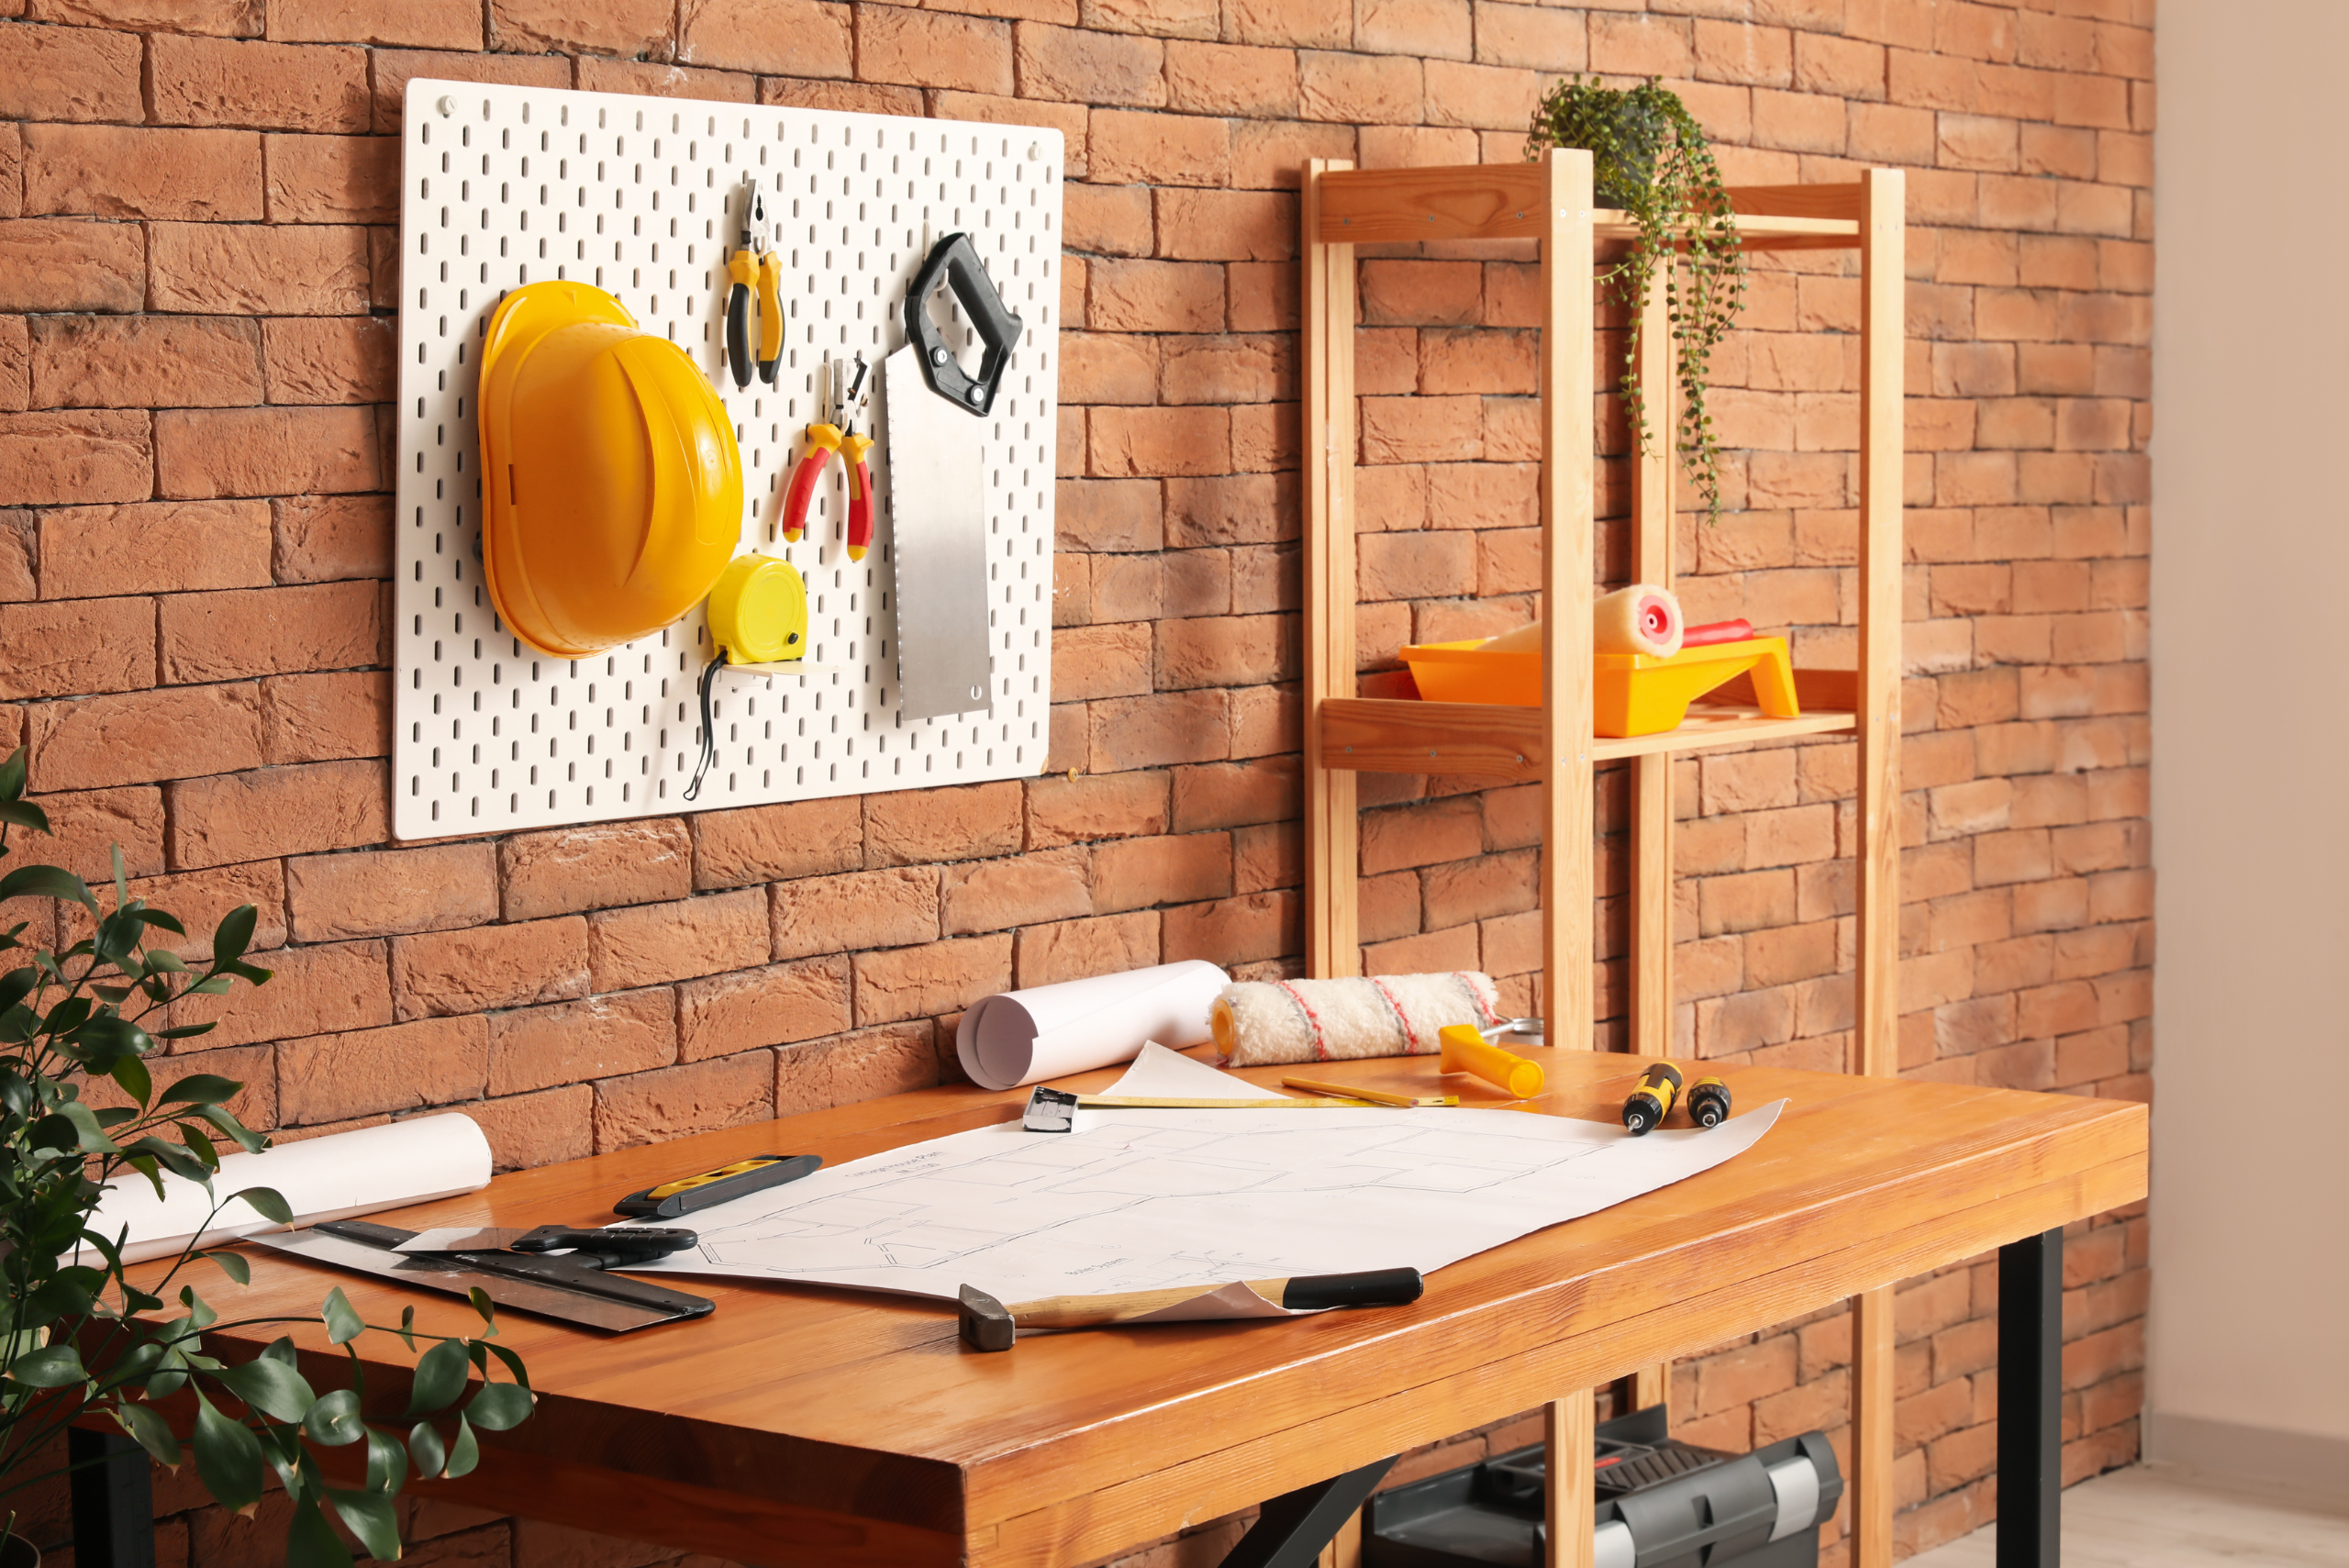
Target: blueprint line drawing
1159,1198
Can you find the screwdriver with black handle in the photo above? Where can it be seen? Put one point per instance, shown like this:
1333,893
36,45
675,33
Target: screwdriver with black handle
1652,1101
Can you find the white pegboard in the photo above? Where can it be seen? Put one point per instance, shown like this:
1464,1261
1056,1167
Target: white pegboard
502,186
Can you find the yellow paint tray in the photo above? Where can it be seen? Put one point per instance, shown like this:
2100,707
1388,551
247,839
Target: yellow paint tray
1638,693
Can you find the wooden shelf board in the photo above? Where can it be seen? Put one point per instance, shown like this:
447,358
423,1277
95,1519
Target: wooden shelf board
1502,201
1394,735
1709,725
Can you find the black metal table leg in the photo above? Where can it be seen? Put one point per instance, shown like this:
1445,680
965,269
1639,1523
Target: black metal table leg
2030,1401
1291,1529
114,1501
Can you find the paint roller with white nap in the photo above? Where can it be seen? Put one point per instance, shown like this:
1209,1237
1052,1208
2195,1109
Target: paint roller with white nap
1637,619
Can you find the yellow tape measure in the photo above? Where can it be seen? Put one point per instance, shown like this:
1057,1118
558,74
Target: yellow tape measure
758,611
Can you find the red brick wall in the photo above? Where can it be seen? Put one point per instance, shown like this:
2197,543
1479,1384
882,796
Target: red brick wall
197,244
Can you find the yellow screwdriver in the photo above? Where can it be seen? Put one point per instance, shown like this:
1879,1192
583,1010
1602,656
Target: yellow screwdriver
1652,1101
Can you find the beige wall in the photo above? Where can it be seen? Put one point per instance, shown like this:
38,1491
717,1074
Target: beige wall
2250,1315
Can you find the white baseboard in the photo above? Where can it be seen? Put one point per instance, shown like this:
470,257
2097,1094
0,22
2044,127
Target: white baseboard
2300,1464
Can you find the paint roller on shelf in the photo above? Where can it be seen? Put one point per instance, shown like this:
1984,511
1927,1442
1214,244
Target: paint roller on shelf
1637,619
1651,664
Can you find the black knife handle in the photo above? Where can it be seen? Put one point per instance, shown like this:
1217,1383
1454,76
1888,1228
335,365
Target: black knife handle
635,1242
955,261
1370,1287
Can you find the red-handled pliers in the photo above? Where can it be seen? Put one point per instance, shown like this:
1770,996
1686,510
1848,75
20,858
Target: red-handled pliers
824,437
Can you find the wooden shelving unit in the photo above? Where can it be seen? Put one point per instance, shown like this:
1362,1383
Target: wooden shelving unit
1345,733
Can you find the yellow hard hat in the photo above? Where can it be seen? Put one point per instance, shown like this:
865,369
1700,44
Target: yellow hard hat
758,612
611,482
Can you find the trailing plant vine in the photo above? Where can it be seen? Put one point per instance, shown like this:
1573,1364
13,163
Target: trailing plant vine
1650,160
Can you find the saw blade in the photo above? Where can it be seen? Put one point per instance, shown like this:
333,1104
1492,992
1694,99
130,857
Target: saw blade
938,517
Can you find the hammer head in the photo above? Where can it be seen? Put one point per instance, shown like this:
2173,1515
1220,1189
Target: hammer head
985,1323
1050,1110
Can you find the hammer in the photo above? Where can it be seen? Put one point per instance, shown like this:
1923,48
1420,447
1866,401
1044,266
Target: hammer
987,1324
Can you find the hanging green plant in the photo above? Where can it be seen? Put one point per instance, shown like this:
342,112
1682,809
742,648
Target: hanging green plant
1650,160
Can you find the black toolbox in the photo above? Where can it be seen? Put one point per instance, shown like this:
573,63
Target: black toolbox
1662,1504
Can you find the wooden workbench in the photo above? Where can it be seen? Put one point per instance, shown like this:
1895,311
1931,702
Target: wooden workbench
834,1430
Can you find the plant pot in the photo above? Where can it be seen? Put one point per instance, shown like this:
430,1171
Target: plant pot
16,1551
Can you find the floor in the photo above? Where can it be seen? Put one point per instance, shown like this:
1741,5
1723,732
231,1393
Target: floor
2165,1518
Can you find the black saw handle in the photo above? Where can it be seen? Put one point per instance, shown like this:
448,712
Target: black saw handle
955,261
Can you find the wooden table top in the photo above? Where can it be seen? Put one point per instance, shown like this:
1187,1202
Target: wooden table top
807,1426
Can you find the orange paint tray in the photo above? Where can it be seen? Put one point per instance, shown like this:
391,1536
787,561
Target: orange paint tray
1638,693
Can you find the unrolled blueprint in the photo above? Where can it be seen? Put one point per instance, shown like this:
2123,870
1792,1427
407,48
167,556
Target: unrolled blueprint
1153,1199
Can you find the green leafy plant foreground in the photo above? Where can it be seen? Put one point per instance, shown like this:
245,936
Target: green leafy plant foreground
79,1339
1650,159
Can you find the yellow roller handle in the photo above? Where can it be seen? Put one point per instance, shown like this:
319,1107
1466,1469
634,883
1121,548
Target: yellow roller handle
1466,1051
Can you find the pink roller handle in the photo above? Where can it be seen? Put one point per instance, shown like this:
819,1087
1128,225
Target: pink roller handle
1737,631
1656,615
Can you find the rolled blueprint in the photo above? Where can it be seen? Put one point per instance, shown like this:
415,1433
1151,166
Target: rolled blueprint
336,1177
1264,1023
1025,1037
1637,619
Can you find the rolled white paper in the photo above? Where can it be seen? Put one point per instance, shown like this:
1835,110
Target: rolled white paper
339,1176
1024,1037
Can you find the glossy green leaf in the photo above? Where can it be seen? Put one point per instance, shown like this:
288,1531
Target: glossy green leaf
135,1081
464,1453
234,934
499,1406
271,1388
424,1448
270,1203
514,1367
251,1142
106,1039
13,774
310,1541
343,1322
200,1315
24,814
46,882
372,1518
233,1264
201,1089
440,1378
51,1366
151,1431
89,1136
334,1421
18,984
386,1461
228,1458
